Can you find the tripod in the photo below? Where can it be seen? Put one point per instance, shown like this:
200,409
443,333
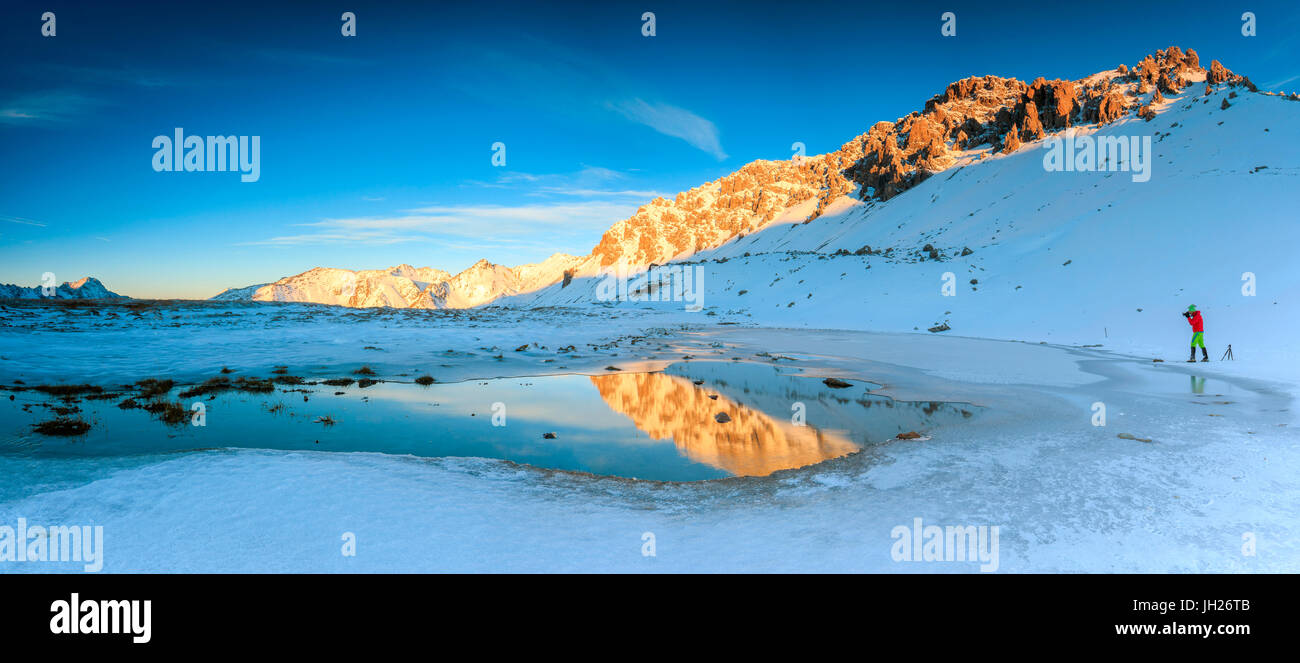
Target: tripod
1227,355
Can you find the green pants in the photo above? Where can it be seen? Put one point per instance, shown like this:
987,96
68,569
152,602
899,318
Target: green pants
1198,340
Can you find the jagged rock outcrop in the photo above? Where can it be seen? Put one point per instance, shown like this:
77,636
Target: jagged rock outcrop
973,113
1217,74
1011,142
1111,107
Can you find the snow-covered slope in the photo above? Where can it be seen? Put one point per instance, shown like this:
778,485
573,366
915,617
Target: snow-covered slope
85,288
1072,257
238,294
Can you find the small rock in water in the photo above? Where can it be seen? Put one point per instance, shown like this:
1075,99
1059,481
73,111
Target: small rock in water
909,435
836,383
548,436
721,417
613,368
1128,436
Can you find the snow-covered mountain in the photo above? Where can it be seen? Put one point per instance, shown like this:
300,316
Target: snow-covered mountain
1026,252
238,294
405,286
880,201
85,288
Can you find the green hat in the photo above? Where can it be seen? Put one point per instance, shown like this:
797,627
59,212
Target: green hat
1192,307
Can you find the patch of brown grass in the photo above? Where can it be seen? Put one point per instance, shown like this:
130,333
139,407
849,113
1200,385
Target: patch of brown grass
210,386
171,413
255,385
153,388
62,427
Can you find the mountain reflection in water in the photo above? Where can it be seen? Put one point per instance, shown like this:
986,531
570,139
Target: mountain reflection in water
751,443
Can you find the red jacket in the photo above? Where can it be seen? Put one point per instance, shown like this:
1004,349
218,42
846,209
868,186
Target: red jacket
1198,325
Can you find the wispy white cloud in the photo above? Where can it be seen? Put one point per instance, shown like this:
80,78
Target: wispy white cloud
1277,84
49,107
673,121
646,195
589,182
21,220
576,82
299,56
127,74
593,182
486,226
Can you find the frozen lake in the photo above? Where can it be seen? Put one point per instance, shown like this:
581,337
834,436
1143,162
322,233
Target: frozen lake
692,421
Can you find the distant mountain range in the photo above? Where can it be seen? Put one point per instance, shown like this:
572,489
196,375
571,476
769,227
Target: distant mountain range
405,286
86,288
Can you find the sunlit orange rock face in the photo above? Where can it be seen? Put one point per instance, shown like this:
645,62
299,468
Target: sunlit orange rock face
892,157
668,407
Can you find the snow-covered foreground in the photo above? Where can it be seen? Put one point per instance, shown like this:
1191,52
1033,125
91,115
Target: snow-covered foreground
1065,495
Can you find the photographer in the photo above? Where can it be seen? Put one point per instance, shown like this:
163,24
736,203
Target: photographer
1198,333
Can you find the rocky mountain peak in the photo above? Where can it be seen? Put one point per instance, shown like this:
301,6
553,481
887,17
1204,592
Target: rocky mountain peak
978,113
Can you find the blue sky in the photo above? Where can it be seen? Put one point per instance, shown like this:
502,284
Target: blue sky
376,149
